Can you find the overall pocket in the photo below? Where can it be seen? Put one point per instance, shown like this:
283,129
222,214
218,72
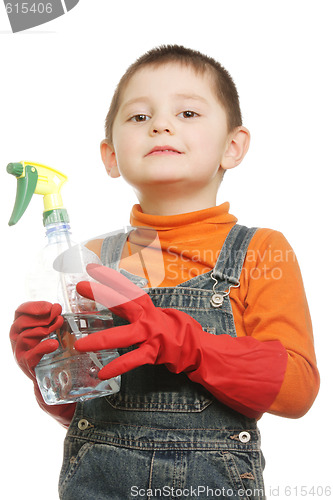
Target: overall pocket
74,453
104,472
245,471
155,388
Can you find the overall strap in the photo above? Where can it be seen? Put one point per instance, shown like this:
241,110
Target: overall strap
111,251
230,262
227,269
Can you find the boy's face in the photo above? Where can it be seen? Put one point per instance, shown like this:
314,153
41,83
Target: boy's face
170,130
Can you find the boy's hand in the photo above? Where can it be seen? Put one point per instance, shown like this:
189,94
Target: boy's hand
163,336
33,322
243,373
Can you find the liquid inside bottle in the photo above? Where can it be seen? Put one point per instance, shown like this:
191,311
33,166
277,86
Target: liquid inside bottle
69,376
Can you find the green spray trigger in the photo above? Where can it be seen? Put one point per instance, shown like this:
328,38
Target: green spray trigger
26,185
34,178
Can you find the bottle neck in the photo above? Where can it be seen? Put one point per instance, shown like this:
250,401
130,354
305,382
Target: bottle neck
57,231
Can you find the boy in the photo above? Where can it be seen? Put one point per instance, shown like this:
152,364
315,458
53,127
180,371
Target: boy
225,337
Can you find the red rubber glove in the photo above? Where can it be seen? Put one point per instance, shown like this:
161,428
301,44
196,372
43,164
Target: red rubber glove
33,322
243,373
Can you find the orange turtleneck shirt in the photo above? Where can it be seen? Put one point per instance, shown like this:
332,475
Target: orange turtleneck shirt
270,303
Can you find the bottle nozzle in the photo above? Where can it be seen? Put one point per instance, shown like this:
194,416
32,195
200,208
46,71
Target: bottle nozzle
26,184
15,169
39,179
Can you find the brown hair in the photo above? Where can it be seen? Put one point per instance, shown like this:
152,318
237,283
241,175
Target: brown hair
224,85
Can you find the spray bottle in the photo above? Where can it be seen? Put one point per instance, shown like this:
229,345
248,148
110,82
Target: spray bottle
65,375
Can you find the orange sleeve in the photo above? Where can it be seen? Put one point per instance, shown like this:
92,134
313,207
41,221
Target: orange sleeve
276,309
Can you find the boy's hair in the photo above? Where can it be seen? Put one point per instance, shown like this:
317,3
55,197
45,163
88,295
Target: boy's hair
225,88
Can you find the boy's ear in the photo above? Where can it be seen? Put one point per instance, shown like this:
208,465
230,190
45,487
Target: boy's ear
238,144
109,159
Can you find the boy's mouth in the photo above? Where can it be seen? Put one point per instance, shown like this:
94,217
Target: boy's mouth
163,150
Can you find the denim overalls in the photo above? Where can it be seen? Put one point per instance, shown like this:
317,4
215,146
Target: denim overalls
162,435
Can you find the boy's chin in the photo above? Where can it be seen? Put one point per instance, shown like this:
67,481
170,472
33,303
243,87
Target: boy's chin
164,181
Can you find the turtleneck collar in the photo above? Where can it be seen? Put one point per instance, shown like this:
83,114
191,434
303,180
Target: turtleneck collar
213,215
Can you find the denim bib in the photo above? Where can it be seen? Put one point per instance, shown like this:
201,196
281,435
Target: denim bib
162,435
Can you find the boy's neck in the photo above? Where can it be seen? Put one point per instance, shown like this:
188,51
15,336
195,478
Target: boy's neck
171,204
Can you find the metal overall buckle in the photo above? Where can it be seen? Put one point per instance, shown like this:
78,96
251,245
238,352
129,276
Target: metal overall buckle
217,298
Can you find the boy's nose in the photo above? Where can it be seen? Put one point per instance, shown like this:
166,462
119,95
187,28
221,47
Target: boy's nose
160,125
157,130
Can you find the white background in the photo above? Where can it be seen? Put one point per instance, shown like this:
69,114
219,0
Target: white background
56,84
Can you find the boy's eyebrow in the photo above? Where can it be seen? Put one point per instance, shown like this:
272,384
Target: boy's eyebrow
135,100
145,99
194,97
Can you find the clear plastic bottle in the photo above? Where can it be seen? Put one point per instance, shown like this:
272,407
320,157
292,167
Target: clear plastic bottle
64,376
67,375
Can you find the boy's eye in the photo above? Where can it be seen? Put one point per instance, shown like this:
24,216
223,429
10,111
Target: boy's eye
188,114
139,118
